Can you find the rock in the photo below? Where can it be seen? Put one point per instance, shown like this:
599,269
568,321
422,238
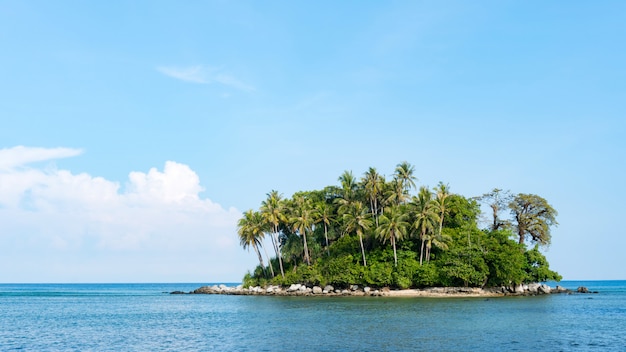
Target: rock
337,291
519,289
328,289
302,288
345,292
317,290
177,293
366,289
269,290
543,288
354,287
533,288
582,289
294,287
376,293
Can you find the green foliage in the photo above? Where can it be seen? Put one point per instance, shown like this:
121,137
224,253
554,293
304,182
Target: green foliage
380,233
505,259
341,271
537,267
426,275
379,274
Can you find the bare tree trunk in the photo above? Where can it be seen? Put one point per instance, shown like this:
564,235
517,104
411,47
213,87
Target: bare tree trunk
362,249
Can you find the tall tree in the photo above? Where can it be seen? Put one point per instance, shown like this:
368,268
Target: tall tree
273,213
357,219
442,192
301,221
373,184
426,217
251,229
533,216
393,227
497,200
405,174
323,214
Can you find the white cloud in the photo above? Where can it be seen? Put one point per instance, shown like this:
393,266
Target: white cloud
194,74
205,75
20,155
60,220
233,82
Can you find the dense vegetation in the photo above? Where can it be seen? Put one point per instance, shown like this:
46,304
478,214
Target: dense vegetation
379,233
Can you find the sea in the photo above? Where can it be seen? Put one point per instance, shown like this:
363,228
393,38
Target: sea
145,317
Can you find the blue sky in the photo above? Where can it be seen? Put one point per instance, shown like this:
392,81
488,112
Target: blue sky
133,135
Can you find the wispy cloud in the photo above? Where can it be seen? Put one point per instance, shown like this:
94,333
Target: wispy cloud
20,155
194,74
205,75
233,82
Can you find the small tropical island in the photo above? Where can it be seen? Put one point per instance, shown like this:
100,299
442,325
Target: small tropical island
377,236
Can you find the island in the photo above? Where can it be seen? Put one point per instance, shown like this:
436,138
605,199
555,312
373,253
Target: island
378,234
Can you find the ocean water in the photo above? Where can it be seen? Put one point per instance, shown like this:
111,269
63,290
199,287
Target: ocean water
144,317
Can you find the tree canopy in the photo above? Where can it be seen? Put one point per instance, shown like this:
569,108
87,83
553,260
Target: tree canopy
378,233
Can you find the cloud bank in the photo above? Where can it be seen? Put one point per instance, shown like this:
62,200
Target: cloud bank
57,226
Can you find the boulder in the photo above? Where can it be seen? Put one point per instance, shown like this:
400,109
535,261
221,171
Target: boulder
294,287
519,289
317,290
366,289
354,287
582,289
328,289
543,288
533,288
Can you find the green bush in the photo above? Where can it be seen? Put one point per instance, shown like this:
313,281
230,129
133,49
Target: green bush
426,275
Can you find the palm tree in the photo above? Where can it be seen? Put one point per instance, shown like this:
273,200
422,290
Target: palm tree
393,227
373,185
273,213
301,221
357,219
323,214
348,186
426,217
251,229
404,173
394,193
442,192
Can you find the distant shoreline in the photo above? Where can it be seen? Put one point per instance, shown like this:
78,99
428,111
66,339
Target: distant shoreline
355,290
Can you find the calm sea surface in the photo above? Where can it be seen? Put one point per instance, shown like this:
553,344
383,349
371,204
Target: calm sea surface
143,317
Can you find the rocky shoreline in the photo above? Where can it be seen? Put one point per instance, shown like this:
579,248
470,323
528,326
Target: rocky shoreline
355,290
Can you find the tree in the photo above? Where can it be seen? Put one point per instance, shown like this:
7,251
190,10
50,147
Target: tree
497,200
357,219
272,211
373,185
251,229
404,173
301,221
426,217
323,214
393,227
442,192
533,216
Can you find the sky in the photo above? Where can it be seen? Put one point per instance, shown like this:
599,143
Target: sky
134,134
